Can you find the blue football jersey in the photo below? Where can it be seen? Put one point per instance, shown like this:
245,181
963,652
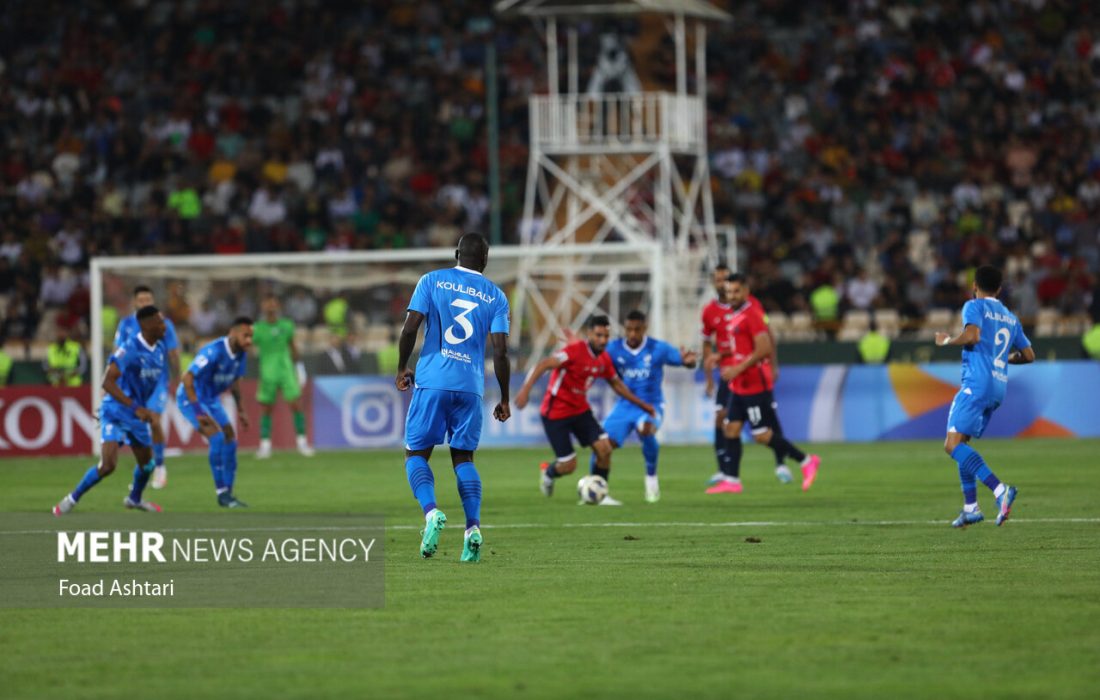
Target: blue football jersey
642,369
128,327
143,367
461,308
985,364
215,369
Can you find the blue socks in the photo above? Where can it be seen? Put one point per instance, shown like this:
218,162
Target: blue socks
422,482
91,478
650,449
217,445
158,454
971,468
469,490
141,478
229,463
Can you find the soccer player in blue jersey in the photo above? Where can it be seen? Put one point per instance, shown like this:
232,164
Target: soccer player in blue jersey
128,328
992,338
640,362
133,377
218,368
459,307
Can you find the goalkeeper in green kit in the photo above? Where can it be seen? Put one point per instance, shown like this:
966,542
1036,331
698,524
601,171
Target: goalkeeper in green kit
280,370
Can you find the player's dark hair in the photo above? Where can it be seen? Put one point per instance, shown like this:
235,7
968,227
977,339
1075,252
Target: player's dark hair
736,277
142,288
988,279
721,266
636,315
472,251
241,321
598,321
147,311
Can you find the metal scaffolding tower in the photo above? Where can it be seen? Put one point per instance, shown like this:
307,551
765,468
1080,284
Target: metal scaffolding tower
622,166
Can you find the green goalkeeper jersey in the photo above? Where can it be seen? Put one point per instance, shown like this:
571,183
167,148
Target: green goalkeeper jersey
273,342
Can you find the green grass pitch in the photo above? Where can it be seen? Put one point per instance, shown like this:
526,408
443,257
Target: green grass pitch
858,588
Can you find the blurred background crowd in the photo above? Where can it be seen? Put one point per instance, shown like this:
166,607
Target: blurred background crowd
869,154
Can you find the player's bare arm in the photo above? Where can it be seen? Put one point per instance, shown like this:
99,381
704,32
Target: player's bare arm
1022,357
502,367
761,348
174,365
624,391
689,358
235,390
970,334
405,345
206,423
544,365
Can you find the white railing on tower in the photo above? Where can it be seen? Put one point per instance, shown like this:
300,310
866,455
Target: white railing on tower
641,121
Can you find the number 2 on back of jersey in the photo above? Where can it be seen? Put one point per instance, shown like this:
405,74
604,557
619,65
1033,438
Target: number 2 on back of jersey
462,321
1001,341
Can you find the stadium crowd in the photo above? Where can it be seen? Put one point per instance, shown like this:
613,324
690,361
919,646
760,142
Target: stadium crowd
877,152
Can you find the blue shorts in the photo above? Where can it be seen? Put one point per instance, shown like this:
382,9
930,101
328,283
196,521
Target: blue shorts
159,400
124,429
213,409
437,415
625,418
970,414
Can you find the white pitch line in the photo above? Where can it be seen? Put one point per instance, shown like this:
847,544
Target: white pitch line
527,526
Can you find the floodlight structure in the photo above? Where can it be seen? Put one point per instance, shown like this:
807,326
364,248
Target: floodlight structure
629,165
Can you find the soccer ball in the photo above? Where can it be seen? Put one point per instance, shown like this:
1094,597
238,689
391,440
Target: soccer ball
592,489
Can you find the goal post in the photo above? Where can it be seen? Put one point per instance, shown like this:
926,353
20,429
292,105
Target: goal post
549,287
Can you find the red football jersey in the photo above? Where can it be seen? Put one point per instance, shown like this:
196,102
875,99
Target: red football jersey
716,316
748,322
567,393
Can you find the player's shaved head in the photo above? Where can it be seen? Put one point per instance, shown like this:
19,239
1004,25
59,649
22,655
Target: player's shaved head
988,279
472,251
152,323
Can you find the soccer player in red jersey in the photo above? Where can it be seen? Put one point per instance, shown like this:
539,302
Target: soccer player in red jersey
716,314
565,411
750,382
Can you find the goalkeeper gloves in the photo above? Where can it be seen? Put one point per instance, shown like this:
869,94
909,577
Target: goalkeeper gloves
300,366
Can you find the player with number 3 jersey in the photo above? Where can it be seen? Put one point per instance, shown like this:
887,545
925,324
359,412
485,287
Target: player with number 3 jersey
459,308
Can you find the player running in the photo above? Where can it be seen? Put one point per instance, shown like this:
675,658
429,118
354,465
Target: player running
640,360
134,375
127,329
565,408
280,371
459,308
717,353
750,383
992,338
217,368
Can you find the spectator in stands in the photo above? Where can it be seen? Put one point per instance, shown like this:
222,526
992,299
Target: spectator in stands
341,356
301,307
861,291
65,360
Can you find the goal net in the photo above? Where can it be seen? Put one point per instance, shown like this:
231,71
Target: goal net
550,288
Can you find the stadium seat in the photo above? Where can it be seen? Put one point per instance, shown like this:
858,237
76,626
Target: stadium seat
855,325
801,326
1046,322
780,324
936,320
888,322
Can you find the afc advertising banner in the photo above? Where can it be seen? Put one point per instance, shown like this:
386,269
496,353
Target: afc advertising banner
45,420
819,403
